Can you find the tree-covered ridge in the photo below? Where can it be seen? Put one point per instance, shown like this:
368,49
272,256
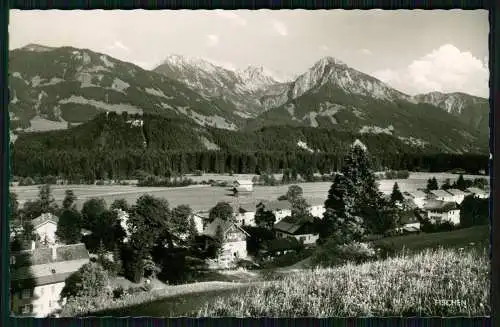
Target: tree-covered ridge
116,146
331,107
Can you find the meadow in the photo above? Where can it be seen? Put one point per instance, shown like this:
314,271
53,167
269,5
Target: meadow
203,197
408,284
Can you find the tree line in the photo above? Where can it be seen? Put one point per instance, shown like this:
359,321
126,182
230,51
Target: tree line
109,147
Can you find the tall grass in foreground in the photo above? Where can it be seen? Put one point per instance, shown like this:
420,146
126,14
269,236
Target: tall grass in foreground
408,285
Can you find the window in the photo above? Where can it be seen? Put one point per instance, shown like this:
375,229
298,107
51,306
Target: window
27,309
26,293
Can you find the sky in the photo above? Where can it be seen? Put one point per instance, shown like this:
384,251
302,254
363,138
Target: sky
414,51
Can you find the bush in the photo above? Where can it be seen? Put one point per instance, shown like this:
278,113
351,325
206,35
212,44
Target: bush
90,280
331,254
118,292
27,181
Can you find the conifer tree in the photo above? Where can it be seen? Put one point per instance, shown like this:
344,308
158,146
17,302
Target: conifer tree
396,195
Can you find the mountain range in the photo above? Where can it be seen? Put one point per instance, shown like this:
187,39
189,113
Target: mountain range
52,88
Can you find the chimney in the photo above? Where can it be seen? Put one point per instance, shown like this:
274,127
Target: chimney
54,252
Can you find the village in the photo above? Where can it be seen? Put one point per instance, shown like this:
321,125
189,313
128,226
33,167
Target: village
40,271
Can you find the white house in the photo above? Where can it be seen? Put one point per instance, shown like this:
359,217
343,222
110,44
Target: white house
442,211
477,192
300,229
441,195
242,186
418,197
280,208
457,195
45,227
316,207
38,277
245,215
234,241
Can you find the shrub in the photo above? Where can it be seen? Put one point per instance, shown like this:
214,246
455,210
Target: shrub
90,280
331,254
118,292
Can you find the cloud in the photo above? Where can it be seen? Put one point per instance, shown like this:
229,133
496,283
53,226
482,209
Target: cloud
118,45
366,52
324,48
280,28
446,69
212,40
232,16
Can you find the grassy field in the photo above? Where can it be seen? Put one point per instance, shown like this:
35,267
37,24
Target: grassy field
404,285
202,198
479,236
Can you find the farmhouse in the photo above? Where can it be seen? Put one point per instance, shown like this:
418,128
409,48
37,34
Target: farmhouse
441,195
418,197
458,195
45,227
280,209
316,207
301,229
442,211
477,192
38,277
245,215
410,222
243,186
234,241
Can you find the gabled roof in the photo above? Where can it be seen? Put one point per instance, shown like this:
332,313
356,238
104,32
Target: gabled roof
440,206
247,207
39,265
290,225
277,205
243,182
416,194
476,190
45,217
440,193
454,191
409,217
211,229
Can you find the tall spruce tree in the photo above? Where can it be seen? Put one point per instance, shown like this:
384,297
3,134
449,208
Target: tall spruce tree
396,195
357,169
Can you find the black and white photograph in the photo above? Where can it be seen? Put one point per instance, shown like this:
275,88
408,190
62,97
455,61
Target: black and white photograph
249,163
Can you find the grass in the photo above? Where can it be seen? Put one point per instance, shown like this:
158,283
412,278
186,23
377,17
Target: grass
404,285
478,235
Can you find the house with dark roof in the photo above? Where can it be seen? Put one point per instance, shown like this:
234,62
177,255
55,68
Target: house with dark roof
442,211
302,229
45,227
234,241
409,221
280,208
38,276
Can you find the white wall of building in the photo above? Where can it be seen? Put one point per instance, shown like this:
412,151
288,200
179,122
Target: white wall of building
246,219
280,214
317,211
45,300
452,216
47,231
308,239
419,202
